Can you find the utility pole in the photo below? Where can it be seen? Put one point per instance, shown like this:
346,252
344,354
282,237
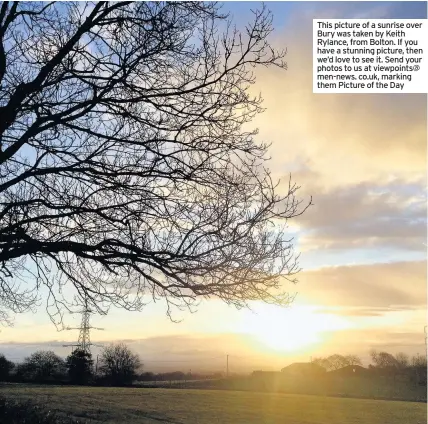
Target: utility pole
227,366
426,343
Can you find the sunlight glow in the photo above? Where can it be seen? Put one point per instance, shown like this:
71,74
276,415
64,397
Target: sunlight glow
292,329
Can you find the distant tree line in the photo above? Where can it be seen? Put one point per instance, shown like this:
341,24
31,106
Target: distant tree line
118,366
383,363
336,361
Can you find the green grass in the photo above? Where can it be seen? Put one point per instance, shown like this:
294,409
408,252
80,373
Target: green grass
180,406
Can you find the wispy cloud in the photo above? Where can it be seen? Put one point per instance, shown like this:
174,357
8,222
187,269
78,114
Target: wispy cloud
374,285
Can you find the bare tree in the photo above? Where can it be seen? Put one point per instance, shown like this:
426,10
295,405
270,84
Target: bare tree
353,360
127,166
119,365
403,360
383,359
42,366
322,362
337,361
419,361
419,369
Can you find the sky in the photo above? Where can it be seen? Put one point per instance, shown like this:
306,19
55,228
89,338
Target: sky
363,159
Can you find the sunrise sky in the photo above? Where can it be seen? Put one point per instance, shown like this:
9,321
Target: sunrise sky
363,159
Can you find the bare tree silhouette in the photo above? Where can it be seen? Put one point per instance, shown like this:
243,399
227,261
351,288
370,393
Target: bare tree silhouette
127,167
119,364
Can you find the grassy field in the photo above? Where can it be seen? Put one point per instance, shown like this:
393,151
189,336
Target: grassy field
179,406
355,387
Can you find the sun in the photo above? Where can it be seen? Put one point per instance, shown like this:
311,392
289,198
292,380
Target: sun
292,329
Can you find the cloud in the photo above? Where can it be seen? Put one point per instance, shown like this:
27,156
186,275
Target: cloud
368,286
350,341
345,138
362,157
366,215
367,312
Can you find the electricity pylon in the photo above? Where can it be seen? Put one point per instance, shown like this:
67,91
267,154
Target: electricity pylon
84,341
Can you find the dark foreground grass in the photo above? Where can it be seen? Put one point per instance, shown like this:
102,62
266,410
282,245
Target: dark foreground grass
18,412
180,406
